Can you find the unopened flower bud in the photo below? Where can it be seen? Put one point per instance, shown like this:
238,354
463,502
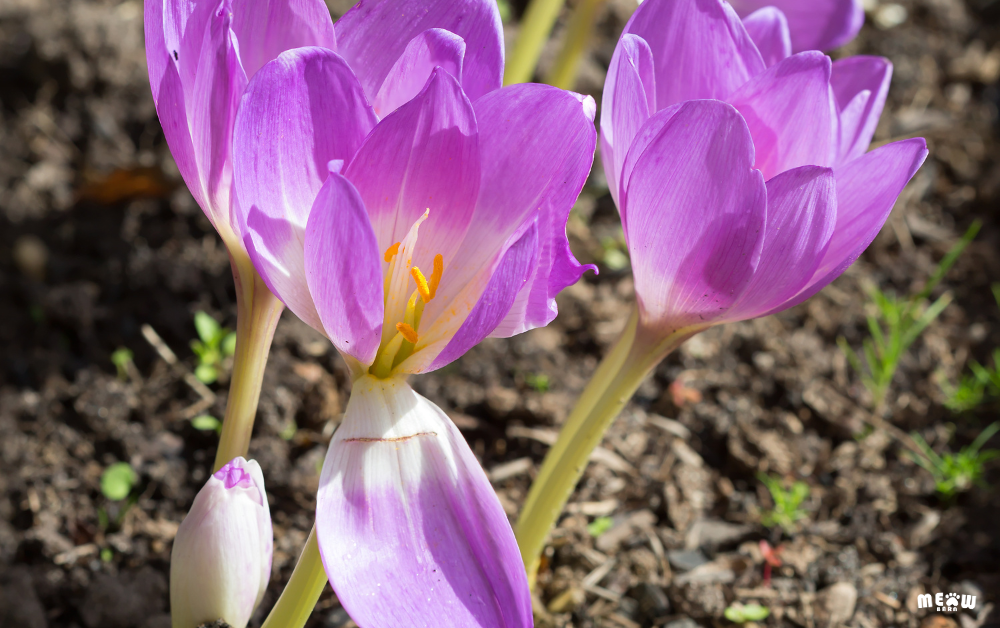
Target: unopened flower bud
221,560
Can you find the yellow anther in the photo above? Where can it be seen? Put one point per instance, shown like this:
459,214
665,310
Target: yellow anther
407,332
436,274
391,252
422,287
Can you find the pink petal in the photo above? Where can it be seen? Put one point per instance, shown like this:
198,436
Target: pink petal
814,24
409,528
695,212
791,114
374,33
700,48
506,281
860,85
300,111
343,271
629,99
267,28
769,30
867,189
424,156
431,48
801,214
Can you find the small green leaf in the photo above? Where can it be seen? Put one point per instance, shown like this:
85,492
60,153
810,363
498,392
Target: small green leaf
539,381
742,613
117,481
288,432
599,526
207,327
121,358
206,373
229,344
206,423
107,555
615,259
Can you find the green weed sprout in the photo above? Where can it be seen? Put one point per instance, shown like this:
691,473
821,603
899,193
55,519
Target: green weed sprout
954,473
742,613
599,526
538,381
786,512
973,387
206,423
897,325
215,342
121,358
117,481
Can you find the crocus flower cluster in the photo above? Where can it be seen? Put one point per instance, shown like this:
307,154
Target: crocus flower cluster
221,560
741,173
401,203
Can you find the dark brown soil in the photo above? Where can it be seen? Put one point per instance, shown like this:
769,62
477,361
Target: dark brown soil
97,239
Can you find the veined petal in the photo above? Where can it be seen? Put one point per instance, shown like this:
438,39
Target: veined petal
373,35
300,111
424,157
791,114
867,189
432,48
768,28
860,85
197,80
629,100
700,48
267,28
409,528
801,214
695,216
506,281
816,24
343,271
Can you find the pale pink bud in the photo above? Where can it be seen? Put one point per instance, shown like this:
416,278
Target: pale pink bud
221,560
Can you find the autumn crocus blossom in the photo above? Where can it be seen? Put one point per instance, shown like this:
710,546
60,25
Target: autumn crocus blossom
406,232
743,189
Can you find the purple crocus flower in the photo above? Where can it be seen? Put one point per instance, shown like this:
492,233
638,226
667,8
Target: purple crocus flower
812,24
406,240
743,189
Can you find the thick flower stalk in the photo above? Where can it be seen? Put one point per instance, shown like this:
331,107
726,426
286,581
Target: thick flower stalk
200,55
744,188
221,560
401,203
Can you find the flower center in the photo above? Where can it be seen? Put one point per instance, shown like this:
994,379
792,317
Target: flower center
400,271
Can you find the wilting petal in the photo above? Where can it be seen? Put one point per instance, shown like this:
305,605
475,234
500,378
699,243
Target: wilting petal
768,28
695,216
343,270
629,100
410,530
801,214
860,85
791,114
300,111
867,189
814,24
431,48
700,49
267,28
373,35
506,281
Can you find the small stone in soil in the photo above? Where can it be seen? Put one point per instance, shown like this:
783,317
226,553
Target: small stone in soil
686,560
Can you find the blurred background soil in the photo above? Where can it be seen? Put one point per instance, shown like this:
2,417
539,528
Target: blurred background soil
99,238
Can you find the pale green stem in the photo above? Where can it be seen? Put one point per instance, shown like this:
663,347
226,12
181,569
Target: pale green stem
581,27
302,591
621,372
535,28
257,314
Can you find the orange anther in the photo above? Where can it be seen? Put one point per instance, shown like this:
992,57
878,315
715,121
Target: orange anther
436,274
391,251
422,287
407,332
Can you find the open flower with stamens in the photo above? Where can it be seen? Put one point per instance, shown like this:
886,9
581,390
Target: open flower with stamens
447,225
